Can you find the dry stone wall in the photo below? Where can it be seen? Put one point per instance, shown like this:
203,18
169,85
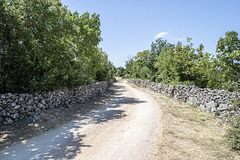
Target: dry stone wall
217,102
16,106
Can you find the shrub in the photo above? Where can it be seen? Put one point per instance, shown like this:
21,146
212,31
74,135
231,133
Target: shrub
233,134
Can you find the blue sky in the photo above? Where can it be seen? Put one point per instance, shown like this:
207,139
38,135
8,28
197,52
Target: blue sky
130,26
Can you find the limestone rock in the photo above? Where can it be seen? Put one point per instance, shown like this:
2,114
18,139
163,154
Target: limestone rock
17,107
192,101
223,107
29,108
14,116
3,113
8,121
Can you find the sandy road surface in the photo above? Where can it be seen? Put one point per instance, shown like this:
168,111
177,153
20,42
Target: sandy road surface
125,128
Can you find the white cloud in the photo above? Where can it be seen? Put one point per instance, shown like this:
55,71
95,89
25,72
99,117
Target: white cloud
169,37
161,34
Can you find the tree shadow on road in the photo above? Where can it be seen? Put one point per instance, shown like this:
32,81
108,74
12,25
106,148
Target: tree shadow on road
66,144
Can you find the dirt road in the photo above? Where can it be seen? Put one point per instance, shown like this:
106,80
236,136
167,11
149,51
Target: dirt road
127,127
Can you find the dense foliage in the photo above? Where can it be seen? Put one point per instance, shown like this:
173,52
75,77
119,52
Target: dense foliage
182,64
120,72
44,46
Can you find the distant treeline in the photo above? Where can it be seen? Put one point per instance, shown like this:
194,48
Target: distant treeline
44,46
182,64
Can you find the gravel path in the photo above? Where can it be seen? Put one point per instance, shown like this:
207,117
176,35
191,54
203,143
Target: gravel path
127,127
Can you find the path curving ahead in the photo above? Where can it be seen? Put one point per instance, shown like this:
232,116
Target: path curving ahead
126,128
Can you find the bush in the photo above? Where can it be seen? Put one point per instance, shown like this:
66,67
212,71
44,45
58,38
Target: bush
233,134
153,78
145,73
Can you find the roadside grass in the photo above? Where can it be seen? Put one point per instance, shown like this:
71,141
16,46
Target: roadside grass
190,133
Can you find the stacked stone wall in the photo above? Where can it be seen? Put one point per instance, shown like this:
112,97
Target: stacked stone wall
16,106
217,102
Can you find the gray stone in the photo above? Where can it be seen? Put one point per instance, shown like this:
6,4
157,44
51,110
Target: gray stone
40,105
30,113
1,119
3,113
202,107
21,110
36,117
192,101
35,98
43,102
211,106
29,108
9,100
15,116
34,107
8,121
4,102
12,111
47,106
31,125
38,110
17,107
21,116
222,107
21,99
3,96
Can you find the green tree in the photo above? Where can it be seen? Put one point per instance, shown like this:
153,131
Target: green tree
44,46
166,66
229,54
156,48
120,72
105,70
129,66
